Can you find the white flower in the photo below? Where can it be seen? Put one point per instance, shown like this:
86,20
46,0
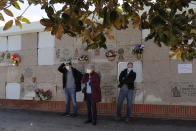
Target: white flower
142,46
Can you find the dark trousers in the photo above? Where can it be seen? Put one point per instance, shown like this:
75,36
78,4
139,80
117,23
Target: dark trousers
91,107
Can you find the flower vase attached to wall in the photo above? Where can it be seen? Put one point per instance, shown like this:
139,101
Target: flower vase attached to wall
139,56
84,59
111,55
138,50
15,59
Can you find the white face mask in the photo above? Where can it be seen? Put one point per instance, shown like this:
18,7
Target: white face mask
67,67
88,71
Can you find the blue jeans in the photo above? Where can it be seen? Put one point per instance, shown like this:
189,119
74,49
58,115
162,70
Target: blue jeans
70,94
122,95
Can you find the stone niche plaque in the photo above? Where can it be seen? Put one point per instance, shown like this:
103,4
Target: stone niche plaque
108,90
63,55
106,68
183,89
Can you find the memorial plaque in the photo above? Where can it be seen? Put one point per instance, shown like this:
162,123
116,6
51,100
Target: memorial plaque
28,72
63,54
107,67
180,89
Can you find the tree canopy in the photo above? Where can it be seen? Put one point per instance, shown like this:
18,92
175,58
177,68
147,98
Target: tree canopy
170,21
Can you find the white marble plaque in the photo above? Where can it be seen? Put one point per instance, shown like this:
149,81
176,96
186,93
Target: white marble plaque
46,56
14,43
184,68
46,40
3,44
13,91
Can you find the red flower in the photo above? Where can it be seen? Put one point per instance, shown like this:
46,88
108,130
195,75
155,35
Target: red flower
14,55
47,92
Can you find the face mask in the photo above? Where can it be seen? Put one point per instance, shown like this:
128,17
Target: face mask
88,71
67,67
130,69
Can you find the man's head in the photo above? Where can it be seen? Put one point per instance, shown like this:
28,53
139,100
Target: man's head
89,68
130,65
68,65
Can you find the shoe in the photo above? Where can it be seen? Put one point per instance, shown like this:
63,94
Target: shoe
88,121
74,115
117,118
127,119
94,123
66,114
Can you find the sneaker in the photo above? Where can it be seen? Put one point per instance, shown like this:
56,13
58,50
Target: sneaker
88,121
66,114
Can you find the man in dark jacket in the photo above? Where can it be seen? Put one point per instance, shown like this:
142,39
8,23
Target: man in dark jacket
71,84
126,79
92,93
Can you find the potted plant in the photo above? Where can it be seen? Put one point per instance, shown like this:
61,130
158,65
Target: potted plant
83,59
138,50
15,59
43,95
111,55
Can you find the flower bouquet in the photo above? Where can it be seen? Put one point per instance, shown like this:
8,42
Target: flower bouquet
83,59
138,50
43,95
15,59
110,54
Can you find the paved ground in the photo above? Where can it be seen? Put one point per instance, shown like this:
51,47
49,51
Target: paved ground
22,120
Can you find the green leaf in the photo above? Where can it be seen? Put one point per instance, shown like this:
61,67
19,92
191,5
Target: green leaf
25,20
22,1
8,25
119,10
16,5
18,23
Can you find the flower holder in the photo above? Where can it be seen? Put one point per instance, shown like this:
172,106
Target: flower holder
83,61
111,58
139,56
